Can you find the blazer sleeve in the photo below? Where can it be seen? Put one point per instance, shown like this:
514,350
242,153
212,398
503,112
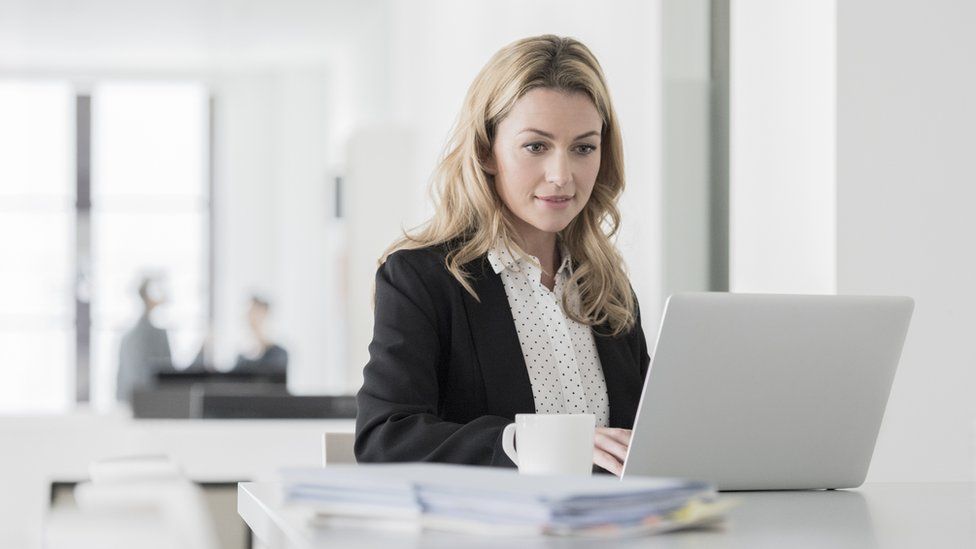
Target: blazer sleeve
398,403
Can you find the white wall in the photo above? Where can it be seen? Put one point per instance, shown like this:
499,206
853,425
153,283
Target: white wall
781,158
244,203
378,202
183,34
273,213
906,189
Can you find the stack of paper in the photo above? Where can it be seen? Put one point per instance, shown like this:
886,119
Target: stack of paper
500,501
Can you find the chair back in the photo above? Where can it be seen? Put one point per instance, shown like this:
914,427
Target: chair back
338,448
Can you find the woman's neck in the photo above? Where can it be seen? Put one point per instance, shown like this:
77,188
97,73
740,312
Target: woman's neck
541,245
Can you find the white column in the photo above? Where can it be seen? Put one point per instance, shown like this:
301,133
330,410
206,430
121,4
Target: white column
782,194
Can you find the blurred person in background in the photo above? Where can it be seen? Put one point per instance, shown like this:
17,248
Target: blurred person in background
145,350
265,356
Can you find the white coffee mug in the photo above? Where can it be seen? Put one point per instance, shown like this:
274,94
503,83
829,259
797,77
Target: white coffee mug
551,444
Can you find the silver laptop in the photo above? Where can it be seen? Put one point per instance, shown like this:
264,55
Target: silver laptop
768,392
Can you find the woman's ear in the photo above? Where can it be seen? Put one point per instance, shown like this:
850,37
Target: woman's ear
486,157
491,167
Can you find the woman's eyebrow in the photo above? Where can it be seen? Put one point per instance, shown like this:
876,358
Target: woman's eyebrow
550,136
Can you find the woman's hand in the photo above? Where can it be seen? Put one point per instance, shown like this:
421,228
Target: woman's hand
610,448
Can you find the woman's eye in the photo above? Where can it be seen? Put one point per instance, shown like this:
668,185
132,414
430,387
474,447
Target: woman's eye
585,149
535,147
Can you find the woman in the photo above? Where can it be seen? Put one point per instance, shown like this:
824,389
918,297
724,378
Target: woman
512,298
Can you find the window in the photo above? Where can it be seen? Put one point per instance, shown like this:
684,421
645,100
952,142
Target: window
149,214
37,246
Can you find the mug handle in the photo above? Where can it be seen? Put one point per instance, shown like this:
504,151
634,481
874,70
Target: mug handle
508,443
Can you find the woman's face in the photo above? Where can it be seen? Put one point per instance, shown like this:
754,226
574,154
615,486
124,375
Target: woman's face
545,158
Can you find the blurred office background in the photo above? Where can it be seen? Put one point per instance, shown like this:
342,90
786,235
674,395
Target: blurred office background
231,148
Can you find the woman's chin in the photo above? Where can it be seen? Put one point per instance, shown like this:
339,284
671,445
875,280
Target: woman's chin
550,226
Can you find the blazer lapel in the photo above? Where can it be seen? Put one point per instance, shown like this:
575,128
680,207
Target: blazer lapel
622,374
507,386
506,378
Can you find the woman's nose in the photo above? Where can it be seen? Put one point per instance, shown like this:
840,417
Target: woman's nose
557,171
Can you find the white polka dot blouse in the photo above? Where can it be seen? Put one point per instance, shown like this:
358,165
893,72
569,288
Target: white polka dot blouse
560,353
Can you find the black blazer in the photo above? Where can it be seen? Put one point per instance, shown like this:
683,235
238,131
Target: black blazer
446,373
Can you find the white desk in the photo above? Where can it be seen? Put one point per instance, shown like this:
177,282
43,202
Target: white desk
910,515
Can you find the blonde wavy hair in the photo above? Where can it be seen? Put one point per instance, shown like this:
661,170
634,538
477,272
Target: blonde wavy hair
470,216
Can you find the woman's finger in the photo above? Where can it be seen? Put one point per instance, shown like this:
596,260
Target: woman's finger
610,445
620,435
607,462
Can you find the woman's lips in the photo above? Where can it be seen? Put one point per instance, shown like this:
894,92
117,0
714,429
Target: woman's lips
554,202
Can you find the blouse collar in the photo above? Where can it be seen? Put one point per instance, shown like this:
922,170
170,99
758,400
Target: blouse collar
501,258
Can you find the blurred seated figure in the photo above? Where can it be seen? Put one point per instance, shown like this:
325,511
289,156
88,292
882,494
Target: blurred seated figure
144,351
266,356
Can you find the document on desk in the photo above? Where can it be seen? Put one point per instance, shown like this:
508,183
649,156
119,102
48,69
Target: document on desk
500,501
